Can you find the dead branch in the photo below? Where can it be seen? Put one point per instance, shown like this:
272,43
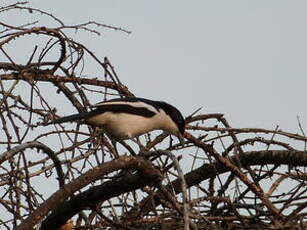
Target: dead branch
68,190
257,177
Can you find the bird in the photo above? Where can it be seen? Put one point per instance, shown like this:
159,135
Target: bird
129,117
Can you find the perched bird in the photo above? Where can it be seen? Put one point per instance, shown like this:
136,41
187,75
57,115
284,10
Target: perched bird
126,118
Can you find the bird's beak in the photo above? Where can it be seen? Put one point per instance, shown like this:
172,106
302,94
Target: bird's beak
181,139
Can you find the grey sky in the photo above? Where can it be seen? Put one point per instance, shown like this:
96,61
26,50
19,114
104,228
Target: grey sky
244,58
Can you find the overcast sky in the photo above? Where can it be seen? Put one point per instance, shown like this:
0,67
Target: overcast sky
244,58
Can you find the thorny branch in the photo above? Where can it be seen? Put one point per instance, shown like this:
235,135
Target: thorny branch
71,172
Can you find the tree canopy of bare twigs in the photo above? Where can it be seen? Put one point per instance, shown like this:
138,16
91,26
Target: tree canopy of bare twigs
70,175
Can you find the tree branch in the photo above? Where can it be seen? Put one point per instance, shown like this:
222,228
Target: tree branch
45,76
207,171
55,200
38,145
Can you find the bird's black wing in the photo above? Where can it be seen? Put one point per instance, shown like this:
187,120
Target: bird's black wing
125,108
102,108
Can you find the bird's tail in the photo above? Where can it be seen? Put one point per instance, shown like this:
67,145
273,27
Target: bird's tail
73,117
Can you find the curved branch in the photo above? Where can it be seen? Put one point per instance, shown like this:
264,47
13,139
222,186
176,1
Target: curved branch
207,171
43,31
92,175
245,130
111,189
97,194
256,189
36,144
58,35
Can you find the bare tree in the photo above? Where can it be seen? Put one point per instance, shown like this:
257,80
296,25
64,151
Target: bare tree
70,175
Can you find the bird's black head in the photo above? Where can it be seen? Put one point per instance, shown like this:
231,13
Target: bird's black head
175,115
170,110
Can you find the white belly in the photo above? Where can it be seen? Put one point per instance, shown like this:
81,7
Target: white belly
124,126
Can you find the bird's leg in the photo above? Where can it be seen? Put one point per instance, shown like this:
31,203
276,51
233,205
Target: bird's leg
114,143
141,146
123,172
170,141
113,150
138,142
131,151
